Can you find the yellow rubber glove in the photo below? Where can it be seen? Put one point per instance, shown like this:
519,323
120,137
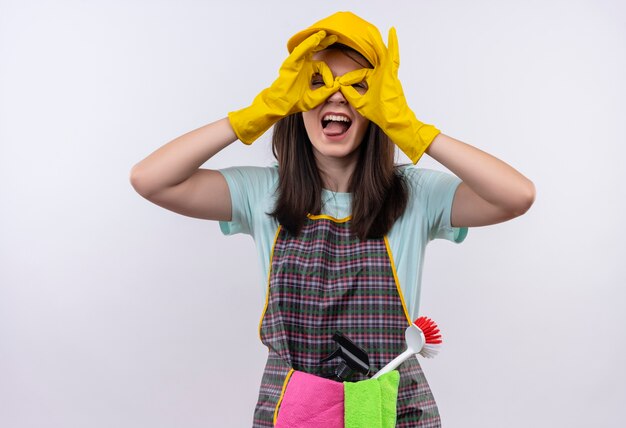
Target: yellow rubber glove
385,105
289,93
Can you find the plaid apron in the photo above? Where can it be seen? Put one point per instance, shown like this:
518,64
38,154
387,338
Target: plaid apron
327,280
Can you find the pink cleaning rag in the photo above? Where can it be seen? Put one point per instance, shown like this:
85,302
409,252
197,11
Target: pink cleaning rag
311,402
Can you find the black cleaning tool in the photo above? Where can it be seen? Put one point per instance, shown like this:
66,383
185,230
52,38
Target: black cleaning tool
353,358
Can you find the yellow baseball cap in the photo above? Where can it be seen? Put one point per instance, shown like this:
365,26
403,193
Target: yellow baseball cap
350,30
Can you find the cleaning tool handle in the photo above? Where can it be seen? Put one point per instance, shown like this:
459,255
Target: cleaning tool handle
393,364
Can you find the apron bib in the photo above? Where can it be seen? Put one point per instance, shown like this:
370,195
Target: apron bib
326,280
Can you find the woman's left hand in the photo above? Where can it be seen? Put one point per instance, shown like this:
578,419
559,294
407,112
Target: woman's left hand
385,105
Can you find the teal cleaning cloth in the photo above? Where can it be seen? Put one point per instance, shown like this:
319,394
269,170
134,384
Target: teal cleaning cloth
371,403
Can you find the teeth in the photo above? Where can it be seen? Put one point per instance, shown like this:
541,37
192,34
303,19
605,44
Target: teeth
336,118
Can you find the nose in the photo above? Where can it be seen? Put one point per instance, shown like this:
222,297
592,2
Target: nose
337,98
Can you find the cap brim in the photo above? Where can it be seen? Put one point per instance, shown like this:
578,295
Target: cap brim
299,37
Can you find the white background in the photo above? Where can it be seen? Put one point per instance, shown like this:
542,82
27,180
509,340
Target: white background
117,313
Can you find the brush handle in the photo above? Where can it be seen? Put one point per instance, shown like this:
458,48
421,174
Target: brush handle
393,364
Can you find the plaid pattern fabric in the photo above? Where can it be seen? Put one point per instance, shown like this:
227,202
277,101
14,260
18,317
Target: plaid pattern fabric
323,281
276,370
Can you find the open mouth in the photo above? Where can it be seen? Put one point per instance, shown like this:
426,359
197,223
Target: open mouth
335,124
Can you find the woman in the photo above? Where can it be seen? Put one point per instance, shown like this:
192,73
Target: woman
340,230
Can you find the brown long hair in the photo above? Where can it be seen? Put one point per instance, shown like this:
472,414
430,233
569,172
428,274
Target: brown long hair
379,191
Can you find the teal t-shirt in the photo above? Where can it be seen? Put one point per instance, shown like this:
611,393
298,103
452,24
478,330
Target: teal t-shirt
427,217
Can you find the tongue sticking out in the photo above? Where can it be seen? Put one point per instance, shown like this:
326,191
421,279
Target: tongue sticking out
336,128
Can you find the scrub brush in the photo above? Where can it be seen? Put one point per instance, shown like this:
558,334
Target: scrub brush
422,337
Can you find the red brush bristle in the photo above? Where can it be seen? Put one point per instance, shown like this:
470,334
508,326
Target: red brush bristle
430,329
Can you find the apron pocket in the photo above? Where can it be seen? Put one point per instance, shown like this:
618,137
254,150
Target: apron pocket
311,401
371,403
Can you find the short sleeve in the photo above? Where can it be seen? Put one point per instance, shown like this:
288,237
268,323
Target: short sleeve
249,188
435,191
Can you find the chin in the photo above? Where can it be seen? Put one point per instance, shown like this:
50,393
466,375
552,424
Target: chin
336,132
334,149
344,147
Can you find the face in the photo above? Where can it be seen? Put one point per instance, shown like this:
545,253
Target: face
334,127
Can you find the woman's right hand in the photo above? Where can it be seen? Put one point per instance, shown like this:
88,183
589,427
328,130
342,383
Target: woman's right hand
171,176
290,93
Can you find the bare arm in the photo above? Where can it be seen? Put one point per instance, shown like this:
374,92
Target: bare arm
171,176
492,191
